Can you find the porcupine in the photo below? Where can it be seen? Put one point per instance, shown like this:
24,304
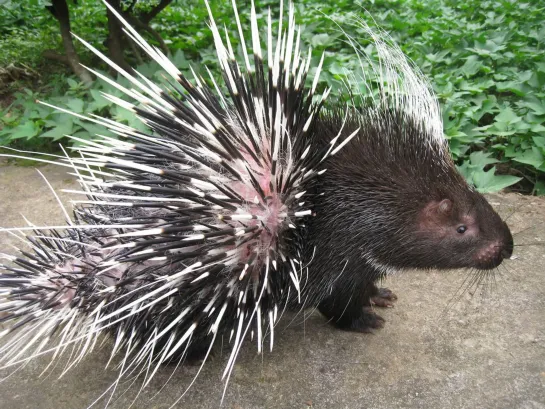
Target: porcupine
238,204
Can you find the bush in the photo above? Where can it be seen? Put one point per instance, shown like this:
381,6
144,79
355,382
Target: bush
486,61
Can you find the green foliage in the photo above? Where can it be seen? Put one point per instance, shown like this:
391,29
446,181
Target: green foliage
23,26
486,61
485,181
27,29
33,121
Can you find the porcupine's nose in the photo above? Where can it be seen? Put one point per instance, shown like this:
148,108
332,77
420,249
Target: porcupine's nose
494,252
492,255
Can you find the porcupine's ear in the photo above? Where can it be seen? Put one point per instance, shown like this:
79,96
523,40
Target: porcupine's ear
445,207
434,214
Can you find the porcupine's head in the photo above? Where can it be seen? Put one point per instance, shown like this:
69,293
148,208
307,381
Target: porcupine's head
408,206
395,193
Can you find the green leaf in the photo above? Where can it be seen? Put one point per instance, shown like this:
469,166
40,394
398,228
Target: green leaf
27,130
471,66
536,107
73,83
531,157
92,129
507,116
481,159
488,182
179,60
336,69
99,102
466,171
64,127
539,141
515,87
321,40
75,105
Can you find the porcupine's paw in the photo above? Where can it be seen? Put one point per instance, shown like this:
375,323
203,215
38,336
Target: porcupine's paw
367,321
384,297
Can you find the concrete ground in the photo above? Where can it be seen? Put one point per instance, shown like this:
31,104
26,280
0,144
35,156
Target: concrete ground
483,350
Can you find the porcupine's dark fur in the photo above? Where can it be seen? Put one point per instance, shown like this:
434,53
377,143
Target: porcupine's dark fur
241,204
387,205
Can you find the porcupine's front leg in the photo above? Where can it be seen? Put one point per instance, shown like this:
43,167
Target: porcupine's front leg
382,297
354,312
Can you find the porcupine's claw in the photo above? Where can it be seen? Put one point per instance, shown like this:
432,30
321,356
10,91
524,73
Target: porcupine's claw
384,297
354,312
367,321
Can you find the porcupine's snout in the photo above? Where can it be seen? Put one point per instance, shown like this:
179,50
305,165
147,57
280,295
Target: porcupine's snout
493,253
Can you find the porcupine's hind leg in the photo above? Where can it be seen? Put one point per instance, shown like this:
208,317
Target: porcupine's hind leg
354,312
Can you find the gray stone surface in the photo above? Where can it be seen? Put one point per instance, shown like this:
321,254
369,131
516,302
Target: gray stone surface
480,350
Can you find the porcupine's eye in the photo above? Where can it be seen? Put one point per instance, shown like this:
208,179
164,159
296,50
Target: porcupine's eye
461,229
